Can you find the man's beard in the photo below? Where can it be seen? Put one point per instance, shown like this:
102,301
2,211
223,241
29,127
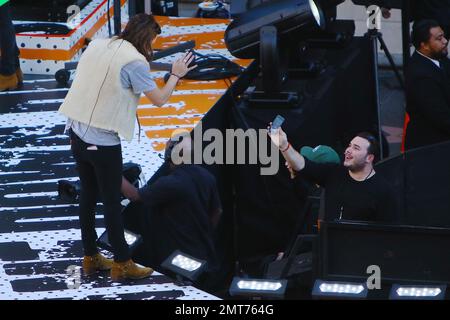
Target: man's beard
441,55
355,167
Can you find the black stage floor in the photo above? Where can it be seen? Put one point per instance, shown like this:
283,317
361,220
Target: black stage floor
40,246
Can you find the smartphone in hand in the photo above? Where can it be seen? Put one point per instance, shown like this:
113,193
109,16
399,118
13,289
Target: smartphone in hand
277,122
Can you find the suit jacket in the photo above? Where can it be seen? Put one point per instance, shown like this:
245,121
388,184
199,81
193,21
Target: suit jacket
428,102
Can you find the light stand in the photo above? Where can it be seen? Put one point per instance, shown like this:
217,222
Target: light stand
132,8
406,36
117,18
274,64
374,36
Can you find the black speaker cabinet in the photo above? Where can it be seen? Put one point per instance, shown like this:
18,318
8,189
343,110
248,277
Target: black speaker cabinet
405,254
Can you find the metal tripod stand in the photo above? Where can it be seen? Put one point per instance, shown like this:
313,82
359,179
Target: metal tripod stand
375,36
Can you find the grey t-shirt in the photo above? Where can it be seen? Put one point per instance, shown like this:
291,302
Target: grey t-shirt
134,75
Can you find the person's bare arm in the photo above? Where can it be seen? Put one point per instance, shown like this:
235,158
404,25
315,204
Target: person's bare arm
295,160
179,69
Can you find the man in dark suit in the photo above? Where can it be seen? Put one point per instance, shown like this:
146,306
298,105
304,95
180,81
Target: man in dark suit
428,87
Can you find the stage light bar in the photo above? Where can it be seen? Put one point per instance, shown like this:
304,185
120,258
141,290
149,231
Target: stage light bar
401,292
316,12
294,20
258,287
339,290
132,239
184,265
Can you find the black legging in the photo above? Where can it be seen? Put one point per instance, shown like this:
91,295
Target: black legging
100,171
9,60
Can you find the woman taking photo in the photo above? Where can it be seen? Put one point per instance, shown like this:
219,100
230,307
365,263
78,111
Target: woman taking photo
101,106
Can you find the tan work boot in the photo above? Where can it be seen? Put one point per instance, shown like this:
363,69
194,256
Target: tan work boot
129,270
19,75
97,262
8,82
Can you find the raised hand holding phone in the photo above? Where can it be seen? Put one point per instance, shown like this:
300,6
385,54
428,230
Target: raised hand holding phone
276,123
275,132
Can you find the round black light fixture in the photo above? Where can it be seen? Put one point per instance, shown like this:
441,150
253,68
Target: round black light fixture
295,20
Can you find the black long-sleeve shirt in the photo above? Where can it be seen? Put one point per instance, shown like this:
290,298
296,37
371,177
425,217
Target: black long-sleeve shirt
181,208
371,200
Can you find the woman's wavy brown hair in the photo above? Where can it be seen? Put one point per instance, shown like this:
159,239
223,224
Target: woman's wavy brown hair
140,31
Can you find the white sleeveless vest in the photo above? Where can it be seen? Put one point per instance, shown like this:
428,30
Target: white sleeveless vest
97,97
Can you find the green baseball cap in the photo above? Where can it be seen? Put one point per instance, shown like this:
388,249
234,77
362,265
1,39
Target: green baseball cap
320,154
